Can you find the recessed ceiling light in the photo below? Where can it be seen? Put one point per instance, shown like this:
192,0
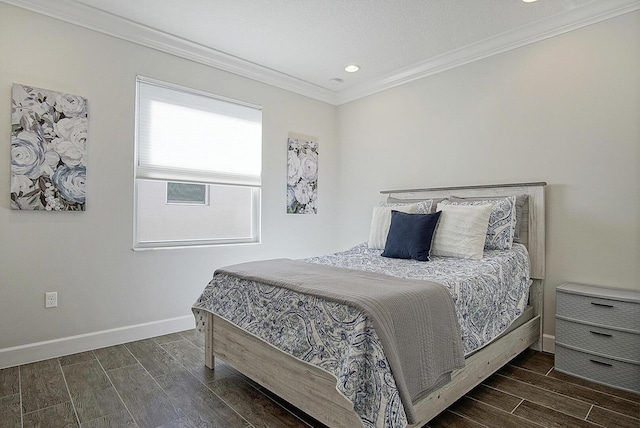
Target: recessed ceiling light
529,1
351,68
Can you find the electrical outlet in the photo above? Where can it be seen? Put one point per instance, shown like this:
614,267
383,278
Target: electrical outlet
51,299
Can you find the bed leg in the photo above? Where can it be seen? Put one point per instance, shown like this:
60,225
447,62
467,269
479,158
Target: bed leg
209,359
536,299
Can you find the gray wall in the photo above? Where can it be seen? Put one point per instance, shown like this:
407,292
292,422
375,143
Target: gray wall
87,257
565,110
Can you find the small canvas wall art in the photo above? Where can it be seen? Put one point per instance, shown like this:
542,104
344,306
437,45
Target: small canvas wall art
302,175
48,150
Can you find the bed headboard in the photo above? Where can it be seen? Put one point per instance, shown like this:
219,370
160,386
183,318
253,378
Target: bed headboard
535,228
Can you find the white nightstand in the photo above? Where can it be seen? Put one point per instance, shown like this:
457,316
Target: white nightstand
598,334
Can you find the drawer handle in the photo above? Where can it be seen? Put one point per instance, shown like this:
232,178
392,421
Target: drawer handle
601,334
602,304
601,363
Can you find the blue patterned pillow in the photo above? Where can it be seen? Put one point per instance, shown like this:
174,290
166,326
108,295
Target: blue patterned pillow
422,206
502,221
410,236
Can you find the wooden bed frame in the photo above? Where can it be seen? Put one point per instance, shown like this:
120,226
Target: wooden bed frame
313,390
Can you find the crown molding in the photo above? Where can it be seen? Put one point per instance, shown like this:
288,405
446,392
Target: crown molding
103,22
97,20
522,36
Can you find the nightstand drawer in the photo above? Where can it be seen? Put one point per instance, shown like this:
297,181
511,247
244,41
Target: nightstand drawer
607,371
601,340
605,312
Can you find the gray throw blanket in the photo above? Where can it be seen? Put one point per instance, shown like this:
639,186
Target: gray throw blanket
415,320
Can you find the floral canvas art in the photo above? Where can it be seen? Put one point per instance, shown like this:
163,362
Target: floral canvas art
48,150
302,175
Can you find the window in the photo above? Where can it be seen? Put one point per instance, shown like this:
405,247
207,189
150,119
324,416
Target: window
187,193
198,168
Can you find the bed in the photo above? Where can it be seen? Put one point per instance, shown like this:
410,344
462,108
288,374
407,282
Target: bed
313,381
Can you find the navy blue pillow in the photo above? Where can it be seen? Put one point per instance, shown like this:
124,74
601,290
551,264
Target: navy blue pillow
410,235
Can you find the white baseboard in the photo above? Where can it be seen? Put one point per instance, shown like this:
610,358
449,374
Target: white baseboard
549,343
39,351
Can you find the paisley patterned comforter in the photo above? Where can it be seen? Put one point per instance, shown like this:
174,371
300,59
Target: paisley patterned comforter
489,295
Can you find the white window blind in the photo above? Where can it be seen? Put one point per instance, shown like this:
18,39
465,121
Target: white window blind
187,139
186,135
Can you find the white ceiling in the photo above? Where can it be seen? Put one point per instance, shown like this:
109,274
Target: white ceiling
301,45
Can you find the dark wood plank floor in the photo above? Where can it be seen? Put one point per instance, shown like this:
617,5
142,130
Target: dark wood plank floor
162,382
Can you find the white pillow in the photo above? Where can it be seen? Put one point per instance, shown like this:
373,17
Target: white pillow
502,221
461,231
380,222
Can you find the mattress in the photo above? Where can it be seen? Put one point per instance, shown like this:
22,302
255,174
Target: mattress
489,294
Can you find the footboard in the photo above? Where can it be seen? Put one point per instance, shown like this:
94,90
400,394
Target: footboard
313,390
307,387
